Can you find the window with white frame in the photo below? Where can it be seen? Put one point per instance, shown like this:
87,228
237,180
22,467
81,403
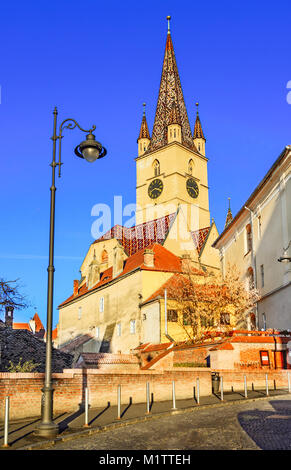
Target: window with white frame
101,304
97,332
79,313
132,327
118,329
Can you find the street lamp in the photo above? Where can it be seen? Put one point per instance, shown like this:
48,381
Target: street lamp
285,258
91,150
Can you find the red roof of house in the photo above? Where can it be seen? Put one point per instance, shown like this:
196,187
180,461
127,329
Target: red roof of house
21,326
164,261
38,324
55,333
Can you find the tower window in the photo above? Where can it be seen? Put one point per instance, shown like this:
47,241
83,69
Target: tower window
190,167
174,133
79,313
156,168
118,329
101,304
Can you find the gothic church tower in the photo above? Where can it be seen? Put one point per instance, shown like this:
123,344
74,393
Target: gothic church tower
171,171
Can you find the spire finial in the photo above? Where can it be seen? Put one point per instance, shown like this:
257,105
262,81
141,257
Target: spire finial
144,106
197,105
168,18
229,202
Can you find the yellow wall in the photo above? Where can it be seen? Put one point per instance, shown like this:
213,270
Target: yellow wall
174,159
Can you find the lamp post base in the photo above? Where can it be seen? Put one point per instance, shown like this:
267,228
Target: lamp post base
47,430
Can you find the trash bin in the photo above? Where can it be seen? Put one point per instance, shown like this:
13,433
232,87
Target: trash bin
215,382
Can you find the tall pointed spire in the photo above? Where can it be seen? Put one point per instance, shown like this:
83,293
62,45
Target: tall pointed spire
198,132
229,215
170,92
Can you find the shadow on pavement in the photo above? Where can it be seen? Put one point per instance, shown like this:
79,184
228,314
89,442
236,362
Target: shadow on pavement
270,430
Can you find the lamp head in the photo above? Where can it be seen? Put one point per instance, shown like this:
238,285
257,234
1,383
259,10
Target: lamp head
90,149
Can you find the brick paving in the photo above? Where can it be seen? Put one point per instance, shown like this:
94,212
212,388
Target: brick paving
21,434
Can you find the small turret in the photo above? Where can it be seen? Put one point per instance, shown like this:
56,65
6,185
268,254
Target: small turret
144,135
198,136
229,215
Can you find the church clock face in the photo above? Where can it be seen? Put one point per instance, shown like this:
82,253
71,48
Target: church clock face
155,188
192,187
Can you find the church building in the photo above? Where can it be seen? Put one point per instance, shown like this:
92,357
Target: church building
110,305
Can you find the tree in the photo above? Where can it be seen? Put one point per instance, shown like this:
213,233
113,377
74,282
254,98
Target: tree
207,302
10,295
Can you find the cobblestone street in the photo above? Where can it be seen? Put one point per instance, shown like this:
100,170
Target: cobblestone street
254,425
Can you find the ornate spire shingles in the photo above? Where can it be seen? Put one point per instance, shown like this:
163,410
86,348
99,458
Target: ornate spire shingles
229,215
144,130
170,93
198,132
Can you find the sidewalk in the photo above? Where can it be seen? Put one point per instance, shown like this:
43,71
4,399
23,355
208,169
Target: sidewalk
21,433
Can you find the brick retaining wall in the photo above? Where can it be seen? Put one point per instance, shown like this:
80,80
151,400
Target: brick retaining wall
235,378
25,389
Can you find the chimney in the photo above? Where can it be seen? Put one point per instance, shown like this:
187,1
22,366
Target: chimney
149,258
76,287
9,316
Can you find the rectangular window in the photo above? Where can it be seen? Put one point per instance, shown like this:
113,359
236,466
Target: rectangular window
101,304
132,327
262,275
118,329
225,318
172,315
264,355
97,332
264,321
206,322
249,237
79,313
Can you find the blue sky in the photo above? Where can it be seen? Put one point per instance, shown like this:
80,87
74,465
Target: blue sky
98,62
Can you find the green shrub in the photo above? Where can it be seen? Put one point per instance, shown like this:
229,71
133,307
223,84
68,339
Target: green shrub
27,366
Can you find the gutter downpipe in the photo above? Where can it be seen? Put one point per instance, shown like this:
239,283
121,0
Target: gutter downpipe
254,266
166,318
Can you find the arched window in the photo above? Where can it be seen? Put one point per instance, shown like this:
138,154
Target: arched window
190,167
156,166
249,237
104,256
251,283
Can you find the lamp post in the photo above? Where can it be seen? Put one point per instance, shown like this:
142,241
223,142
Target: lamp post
91,150
285,258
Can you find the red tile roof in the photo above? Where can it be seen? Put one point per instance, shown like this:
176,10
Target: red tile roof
164,261
199,237
38,324
21,326
55,333
140,236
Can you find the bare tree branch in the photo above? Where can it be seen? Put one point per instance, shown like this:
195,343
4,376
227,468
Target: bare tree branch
10,295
